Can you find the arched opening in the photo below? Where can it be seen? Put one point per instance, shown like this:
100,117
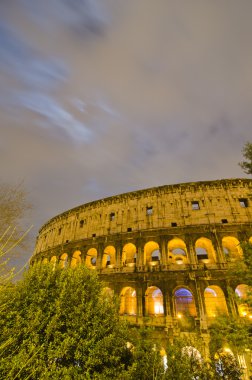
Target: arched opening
177,251
53,261
215,301
76,259
129,255
154,301
231,248
108,258
243,291
63,260
151,253
250,240
91,258
45,260
205,251
128,303
184,303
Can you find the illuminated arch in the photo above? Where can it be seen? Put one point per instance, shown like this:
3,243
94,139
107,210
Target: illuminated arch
76,259
128,303
151,253
184,303
242,291
205,251
45,260
177,251
53,260
231,247
129,254
91,258
108,258
63,260
215,301
154,301
250,240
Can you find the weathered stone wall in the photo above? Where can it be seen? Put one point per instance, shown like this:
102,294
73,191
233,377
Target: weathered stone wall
201,203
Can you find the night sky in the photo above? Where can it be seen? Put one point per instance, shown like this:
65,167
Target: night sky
100,97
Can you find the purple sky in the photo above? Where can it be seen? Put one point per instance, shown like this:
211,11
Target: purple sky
99,97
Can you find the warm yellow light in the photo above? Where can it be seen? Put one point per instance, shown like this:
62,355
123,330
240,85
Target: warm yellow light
244,313
179,315
250,316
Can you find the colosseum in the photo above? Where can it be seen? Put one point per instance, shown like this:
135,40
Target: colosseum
164,251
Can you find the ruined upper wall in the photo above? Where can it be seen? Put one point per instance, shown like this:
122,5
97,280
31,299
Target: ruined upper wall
208,202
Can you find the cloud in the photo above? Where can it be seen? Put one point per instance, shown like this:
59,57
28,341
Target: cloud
84,17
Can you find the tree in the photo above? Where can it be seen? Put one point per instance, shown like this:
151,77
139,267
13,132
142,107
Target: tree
13,207
247,154
57,323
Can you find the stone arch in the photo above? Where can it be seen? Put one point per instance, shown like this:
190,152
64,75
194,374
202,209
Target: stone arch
128,301
151,253
215,301
108,258
177,251
53,260
231,247
154,304
184,302
76,259
91,258
129,254
63,260
205,251
241,292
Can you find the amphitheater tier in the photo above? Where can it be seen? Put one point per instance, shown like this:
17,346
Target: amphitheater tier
165,250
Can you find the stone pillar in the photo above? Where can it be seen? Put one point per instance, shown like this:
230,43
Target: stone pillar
191,252
139,294
118,253
163,250
100,250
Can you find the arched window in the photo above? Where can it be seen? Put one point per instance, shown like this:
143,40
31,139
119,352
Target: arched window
231,248
184,303
128,303
91,258
108,258
177,251
63,260
151,253
205,251
154,301
76,259
129,254
215,301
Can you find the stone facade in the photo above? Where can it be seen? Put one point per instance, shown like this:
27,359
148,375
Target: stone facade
164,251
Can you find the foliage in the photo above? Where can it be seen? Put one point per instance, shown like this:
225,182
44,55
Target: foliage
13,206
234,332
58,324
247,154
146,362
229,337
